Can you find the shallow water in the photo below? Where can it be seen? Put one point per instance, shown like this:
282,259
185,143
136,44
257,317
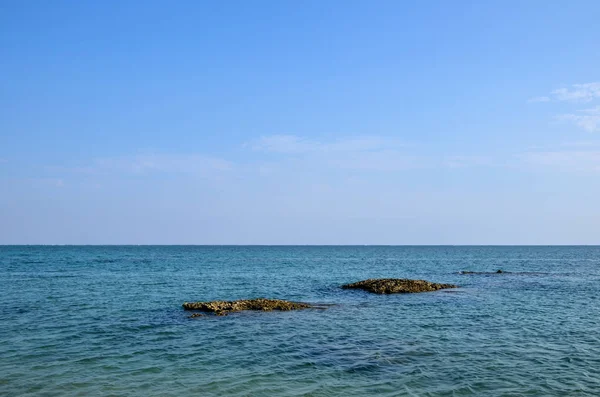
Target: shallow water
82,321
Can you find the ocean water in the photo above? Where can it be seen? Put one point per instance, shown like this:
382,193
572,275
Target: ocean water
81,321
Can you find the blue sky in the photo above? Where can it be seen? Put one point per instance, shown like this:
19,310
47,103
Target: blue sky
269,122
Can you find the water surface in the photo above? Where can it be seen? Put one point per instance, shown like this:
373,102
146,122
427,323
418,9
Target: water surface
82,321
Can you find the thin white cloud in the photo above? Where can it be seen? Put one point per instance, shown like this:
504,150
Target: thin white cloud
382,161
586,92
539,99
177,163
567,160
469,161
139,164
369,153
588,119
570,145
582,144
292,144
283,144
53,182
578,92
295,154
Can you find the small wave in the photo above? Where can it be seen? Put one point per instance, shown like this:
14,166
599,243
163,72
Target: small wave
104,260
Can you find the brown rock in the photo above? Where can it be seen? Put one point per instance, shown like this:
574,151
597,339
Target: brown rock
396,285
222,308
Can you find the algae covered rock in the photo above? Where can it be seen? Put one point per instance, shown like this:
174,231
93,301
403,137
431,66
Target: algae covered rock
222,308
396,286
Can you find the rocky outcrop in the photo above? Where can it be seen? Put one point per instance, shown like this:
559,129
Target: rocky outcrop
396,286
222,308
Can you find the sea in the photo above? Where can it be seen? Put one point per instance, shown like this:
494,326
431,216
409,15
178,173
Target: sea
108,321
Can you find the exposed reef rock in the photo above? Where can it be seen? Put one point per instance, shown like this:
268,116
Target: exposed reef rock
396,286
222,308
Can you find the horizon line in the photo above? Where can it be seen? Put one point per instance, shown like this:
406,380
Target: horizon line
299,245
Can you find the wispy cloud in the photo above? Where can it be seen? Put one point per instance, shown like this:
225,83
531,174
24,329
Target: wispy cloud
367,153
152,163
571,145
539,99
588,119
363,153
290,144
285,156
573,156
52,182
578,92
469,161
173,163
586,92
567,160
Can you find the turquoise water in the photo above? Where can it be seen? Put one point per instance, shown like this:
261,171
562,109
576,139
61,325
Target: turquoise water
80,321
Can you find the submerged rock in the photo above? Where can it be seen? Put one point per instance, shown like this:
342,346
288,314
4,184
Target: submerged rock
499,271
510,273
222,308
396,285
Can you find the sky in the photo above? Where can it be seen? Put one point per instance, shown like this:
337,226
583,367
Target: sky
299,122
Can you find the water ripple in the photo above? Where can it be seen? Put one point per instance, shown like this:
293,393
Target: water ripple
81,321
